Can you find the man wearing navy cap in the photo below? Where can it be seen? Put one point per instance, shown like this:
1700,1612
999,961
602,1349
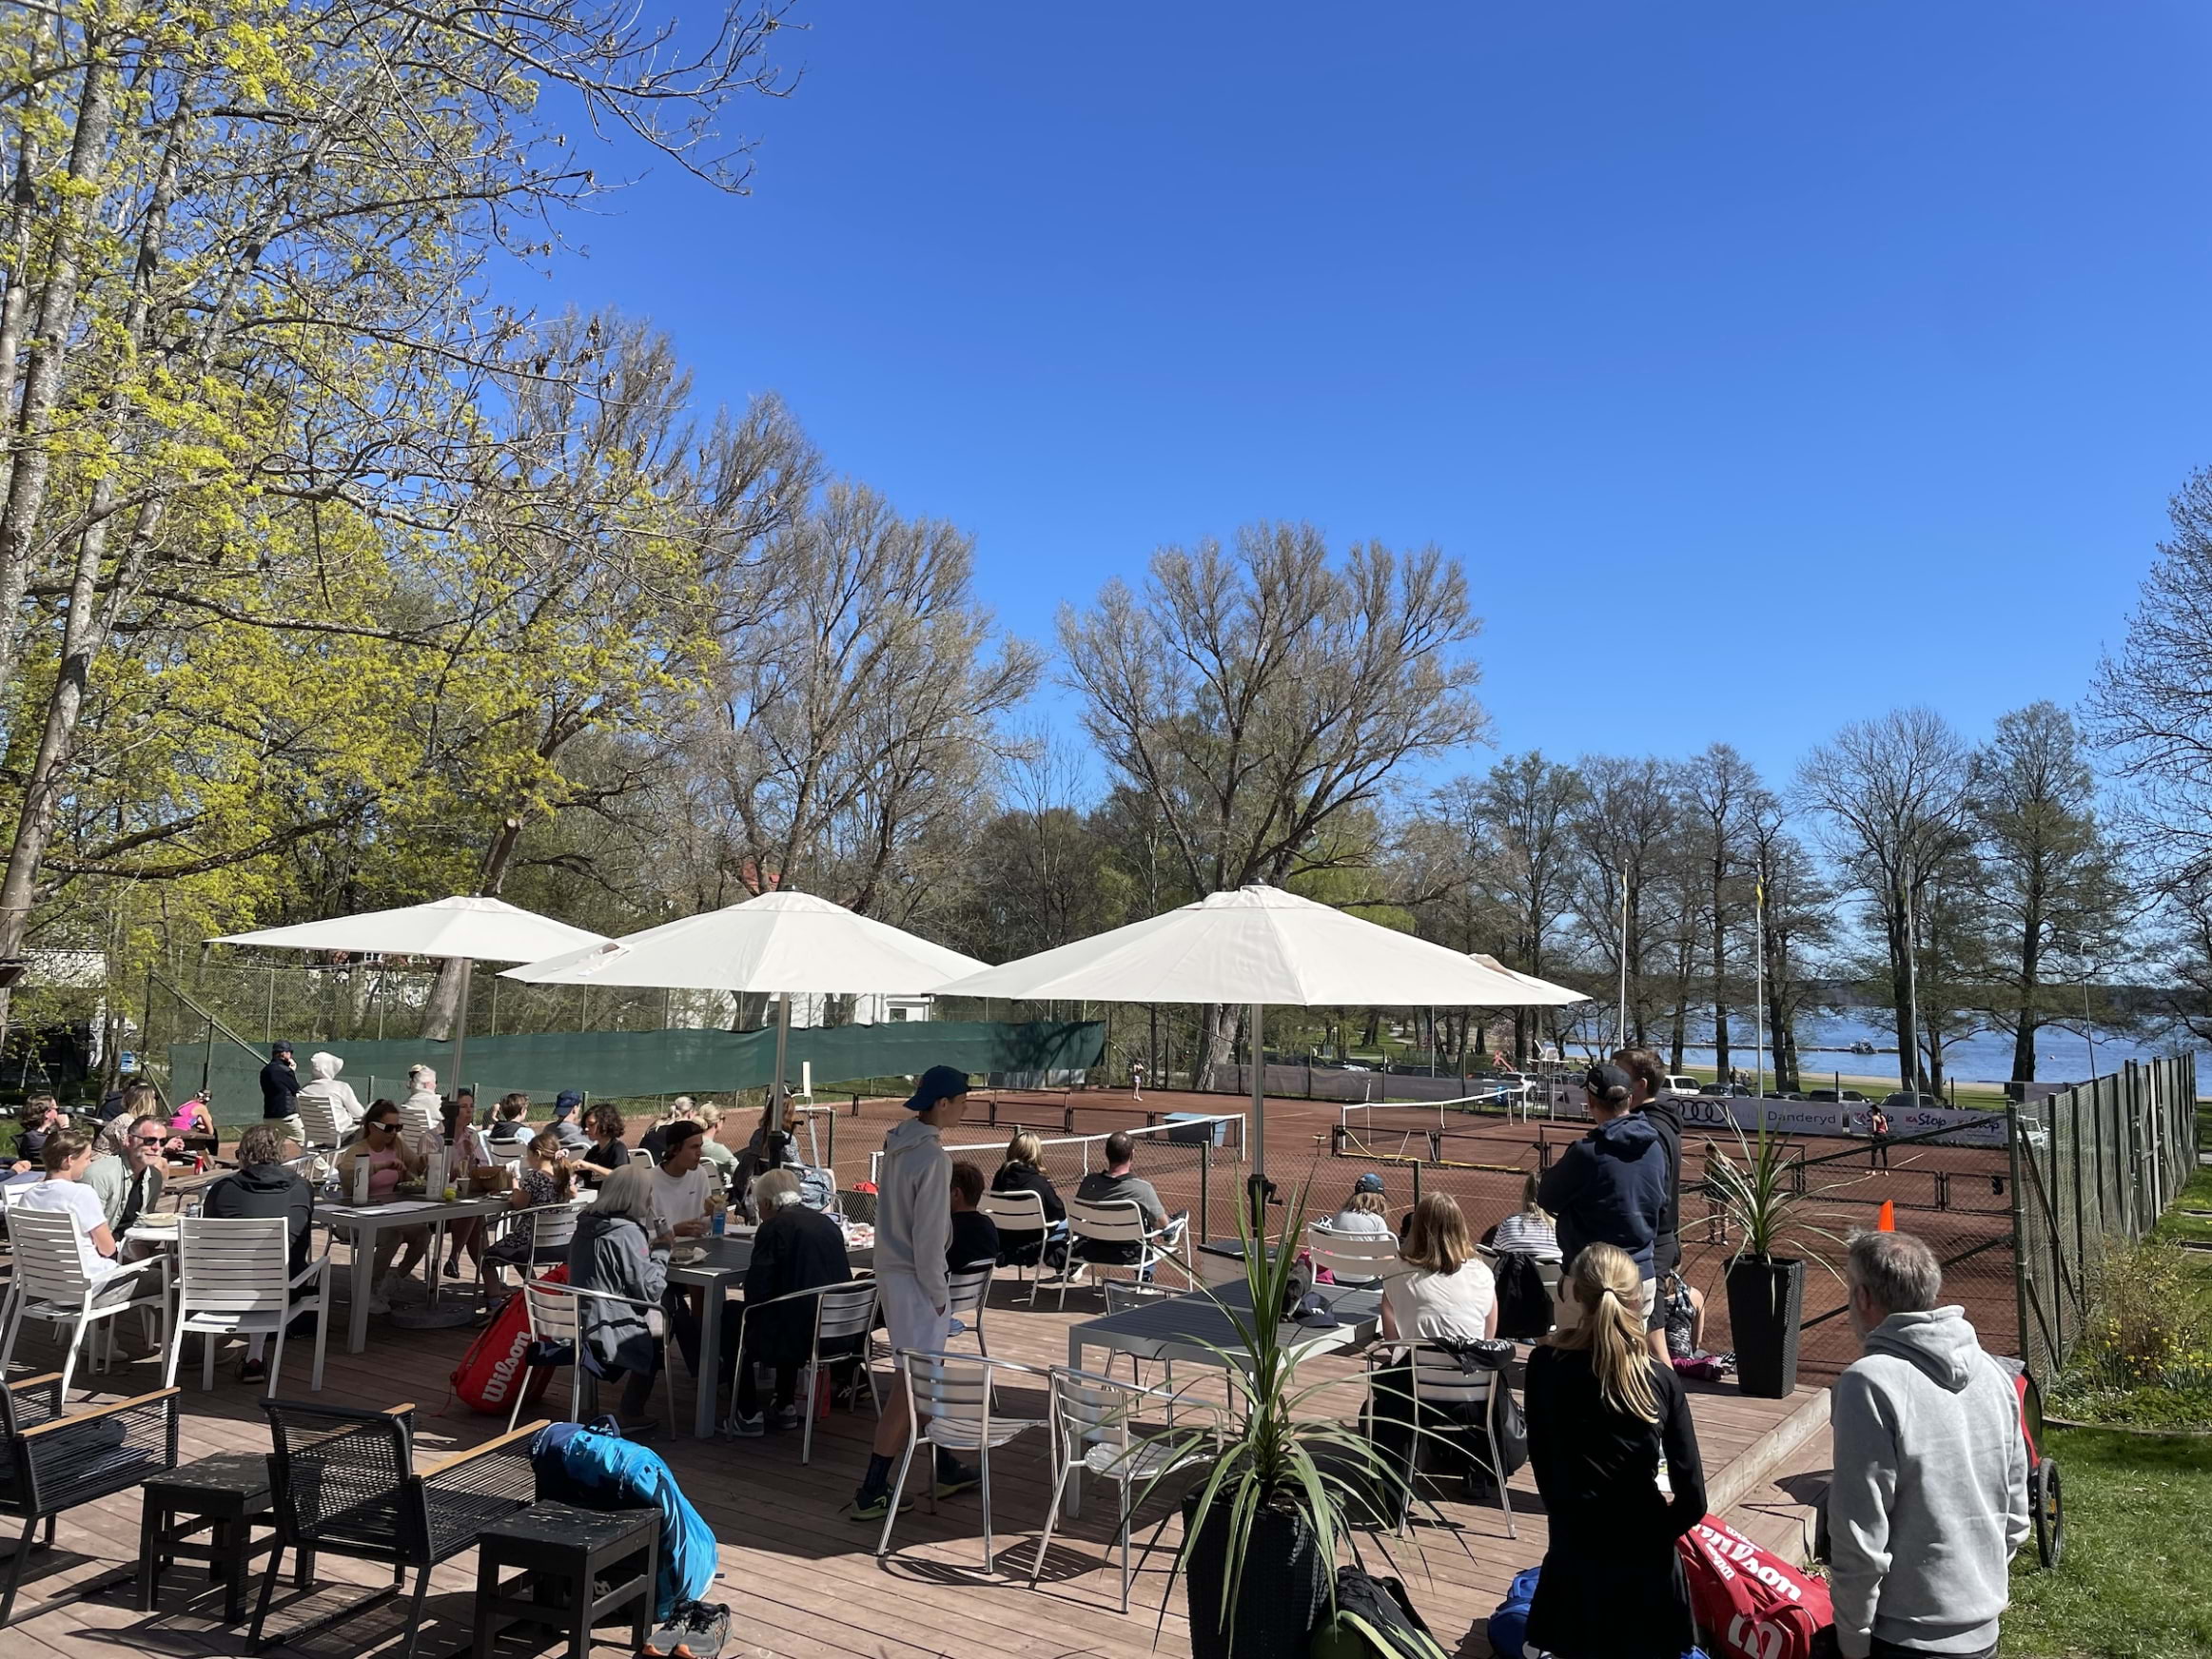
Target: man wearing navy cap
280,1085
573,1139
1610,1187
913,1226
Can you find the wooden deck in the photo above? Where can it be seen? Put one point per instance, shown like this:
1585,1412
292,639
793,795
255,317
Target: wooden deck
801,1580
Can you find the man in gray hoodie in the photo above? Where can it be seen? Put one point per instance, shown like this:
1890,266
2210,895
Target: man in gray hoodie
1929,1498
914,1225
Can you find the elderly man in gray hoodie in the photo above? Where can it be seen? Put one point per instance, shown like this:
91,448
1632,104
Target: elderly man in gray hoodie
913,1224
1930,1493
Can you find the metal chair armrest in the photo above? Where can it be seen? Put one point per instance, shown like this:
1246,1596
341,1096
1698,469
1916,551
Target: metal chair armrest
321,1264
89,1453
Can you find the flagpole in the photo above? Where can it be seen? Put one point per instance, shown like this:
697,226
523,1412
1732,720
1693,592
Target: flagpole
1622,1039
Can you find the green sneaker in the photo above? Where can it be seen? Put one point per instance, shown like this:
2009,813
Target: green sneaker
864,1507
964,1477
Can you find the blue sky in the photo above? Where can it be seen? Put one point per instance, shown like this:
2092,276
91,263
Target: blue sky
1768,366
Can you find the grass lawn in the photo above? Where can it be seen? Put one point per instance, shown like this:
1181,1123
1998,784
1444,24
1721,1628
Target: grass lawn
2136,1582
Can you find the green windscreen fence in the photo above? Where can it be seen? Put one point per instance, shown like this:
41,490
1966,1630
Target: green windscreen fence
601,1063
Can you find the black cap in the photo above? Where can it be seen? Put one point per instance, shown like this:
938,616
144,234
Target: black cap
939,1083
1603,1077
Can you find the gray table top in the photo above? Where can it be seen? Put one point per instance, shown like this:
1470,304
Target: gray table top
1196,1324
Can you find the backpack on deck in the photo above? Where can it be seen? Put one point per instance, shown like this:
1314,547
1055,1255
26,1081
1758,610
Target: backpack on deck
595,1468
1373,1620
1750,1604
1509,1625
1524,1306
496,1362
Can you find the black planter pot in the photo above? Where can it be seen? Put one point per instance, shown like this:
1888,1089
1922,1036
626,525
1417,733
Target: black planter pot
1280,1594
1766,1301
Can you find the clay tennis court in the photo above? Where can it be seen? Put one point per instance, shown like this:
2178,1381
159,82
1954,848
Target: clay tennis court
1957,1198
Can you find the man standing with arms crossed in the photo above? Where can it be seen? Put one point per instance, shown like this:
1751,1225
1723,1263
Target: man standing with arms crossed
913,1227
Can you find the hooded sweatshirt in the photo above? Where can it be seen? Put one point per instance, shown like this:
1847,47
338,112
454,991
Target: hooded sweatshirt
344,1104
279,1084
262,1190
1610,1187
914,1207
1929,1498
1664,1113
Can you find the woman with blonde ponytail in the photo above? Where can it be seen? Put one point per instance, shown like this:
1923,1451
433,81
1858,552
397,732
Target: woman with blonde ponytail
1603,1417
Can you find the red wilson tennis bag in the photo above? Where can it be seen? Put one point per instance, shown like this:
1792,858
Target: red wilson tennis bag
493,1368
1750,1604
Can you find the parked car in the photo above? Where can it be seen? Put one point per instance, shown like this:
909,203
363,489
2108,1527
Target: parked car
1905,1101
1680,1085
1848,1097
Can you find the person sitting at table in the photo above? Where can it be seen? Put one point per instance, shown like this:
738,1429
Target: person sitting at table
141,1103
383,1148
1365,1215
654,1143
796,1249
1529,1229
39,1117
193,1120
68,1155
974,1241
1443,1291
720,1161
679,1183
334,1092
772,1144
606,1153
566,1104
423,1113
130,1186
613,1250
1115,1184
511,1121
263,1187
543,1178
466,1152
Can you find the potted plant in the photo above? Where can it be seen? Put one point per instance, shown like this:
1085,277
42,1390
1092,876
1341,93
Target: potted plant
1261,1526
1759,1198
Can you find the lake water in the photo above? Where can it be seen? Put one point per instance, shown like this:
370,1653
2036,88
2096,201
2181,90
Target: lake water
2061,1056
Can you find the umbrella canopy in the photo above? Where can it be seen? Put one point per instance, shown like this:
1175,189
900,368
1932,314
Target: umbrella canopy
1541,993
477,929
780,943
1255,946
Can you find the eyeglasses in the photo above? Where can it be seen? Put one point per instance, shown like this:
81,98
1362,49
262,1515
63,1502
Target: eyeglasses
385,1124
149,1140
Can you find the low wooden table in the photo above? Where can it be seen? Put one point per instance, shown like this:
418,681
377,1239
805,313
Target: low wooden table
560,1551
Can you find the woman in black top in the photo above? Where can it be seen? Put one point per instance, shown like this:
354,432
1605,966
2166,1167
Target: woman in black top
1602,1416
1024,1171
606,1154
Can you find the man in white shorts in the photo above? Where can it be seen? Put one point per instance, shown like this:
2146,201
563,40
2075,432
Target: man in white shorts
913,1226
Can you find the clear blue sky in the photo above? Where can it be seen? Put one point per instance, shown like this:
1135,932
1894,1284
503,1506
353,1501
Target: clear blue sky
1844,355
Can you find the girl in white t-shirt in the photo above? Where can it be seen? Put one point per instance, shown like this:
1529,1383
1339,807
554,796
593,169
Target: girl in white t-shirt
1444,1290
68,1154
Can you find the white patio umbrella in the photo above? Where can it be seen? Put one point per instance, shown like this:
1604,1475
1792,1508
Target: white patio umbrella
1541,993
779,944
1257,945
466,929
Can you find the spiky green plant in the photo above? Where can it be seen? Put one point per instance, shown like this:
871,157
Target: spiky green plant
1272,1456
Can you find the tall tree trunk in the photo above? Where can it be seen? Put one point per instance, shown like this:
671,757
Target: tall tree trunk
440,1012
1720,1053
2031,983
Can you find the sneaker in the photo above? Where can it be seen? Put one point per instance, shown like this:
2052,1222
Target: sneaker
694,1631
957,1478
864,1507
253,1370
787,1419
638,1428
746,1428
378,1303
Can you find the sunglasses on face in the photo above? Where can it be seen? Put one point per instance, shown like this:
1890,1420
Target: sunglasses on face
149,1140
384,1125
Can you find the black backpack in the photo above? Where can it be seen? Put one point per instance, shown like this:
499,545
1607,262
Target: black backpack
1373,1620
1524,1306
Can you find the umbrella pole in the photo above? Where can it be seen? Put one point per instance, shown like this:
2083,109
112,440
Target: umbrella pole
460,1024
783,1035
1259,1124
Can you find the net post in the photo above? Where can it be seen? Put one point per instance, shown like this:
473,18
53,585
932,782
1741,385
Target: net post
1205,1189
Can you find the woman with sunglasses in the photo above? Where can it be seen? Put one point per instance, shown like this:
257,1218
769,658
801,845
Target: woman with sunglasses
390,1158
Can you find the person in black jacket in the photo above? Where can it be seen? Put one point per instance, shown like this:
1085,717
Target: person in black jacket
1647,1086
262,1186
974,1239
1610,1187
796,1249
1024,1171
1601,1417
280,1085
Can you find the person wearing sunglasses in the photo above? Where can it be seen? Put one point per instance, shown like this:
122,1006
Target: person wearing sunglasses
130,1186
390,1160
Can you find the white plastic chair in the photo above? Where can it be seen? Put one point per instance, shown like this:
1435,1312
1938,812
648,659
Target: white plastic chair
842,1313
957,1394
51,1286
1352,1257
1119,1223
638,1155
1024,1213
1440,1382
1093,1433
234,1279
319,1118
562,1312
506,1151
552,1226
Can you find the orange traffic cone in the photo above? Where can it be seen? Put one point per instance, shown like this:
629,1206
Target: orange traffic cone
1886,1220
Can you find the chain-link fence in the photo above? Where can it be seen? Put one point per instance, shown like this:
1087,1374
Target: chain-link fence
2094,1168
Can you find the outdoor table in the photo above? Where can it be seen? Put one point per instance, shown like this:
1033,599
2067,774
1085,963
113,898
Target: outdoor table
1197,1327
361,1223
720,1270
